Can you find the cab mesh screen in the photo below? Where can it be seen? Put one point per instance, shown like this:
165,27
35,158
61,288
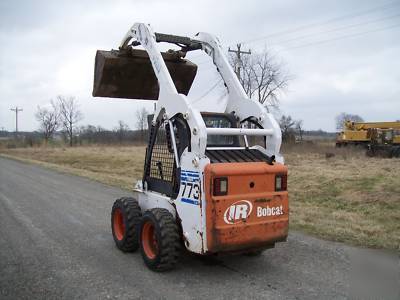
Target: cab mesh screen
162,158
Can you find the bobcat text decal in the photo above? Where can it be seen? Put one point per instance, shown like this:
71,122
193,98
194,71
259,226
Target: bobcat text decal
241,210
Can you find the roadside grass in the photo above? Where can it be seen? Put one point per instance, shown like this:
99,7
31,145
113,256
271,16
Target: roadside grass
349,197
119,166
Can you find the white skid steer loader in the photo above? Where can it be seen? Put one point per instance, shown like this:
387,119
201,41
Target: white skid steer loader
204,187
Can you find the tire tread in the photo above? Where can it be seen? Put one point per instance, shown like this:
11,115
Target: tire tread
169,243
132,213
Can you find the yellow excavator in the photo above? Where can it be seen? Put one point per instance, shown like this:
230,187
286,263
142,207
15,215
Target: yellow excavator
357,133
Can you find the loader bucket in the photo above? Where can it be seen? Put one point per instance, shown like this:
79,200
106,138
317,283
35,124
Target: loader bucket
129,74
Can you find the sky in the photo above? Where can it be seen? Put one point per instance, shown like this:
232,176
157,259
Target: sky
343,55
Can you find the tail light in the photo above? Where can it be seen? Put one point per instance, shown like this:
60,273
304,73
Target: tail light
281,182
220,186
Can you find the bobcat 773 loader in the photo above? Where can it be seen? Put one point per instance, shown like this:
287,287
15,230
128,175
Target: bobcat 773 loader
204,187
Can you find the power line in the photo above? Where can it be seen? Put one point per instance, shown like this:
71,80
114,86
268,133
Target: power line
307,45
336,29
285,32
300,28
209,91
341,37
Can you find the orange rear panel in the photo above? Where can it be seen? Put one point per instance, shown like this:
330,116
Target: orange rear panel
252,214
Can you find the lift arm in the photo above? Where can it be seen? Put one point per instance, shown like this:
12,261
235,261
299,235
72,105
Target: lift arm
238,101
172,103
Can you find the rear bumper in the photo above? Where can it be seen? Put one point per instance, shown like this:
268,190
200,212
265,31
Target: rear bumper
247,217
246,238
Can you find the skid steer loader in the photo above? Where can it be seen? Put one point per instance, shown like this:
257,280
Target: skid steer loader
204,187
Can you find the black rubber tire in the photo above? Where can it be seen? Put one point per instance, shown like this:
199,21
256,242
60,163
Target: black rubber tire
391,153
168,240
370,153
397,152
132,214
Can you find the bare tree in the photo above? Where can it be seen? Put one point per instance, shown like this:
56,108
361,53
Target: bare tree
122,130
342,117
49,119
87,133
299,128
141,121
263,77
70,115
287,127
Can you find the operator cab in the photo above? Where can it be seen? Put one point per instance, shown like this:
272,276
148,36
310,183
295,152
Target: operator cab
221,120
232,148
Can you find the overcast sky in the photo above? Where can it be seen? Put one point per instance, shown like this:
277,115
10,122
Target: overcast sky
343,55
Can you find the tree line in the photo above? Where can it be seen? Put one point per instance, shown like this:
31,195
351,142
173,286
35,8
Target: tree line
62,113
262,76
61,119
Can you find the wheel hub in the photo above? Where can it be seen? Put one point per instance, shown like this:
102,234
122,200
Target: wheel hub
118,224
149,240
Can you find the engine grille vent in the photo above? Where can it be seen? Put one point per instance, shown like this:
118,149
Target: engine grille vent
238,155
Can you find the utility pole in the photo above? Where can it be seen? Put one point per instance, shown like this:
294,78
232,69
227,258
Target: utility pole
16,110
239,61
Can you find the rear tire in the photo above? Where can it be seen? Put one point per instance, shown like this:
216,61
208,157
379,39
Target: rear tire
370,153
396,152
125,220
160,242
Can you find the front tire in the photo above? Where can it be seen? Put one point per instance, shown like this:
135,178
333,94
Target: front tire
125,220
159,240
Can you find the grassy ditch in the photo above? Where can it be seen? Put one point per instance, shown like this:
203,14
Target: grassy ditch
348,197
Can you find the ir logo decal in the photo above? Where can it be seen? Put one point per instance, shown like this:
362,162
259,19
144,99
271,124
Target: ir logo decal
238,211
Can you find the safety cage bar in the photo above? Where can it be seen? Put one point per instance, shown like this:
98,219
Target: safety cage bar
238,131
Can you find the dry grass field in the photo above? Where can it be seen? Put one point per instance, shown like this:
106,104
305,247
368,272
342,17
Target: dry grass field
348,197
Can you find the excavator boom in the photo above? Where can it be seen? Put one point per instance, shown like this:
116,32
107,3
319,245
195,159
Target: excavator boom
367,125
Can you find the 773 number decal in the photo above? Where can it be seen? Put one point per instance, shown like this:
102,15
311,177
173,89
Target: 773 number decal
190,187
190,190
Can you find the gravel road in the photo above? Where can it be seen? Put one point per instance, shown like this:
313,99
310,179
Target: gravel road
55,243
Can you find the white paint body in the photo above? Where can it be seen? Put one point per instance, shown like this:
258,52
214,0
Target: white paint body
193,215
